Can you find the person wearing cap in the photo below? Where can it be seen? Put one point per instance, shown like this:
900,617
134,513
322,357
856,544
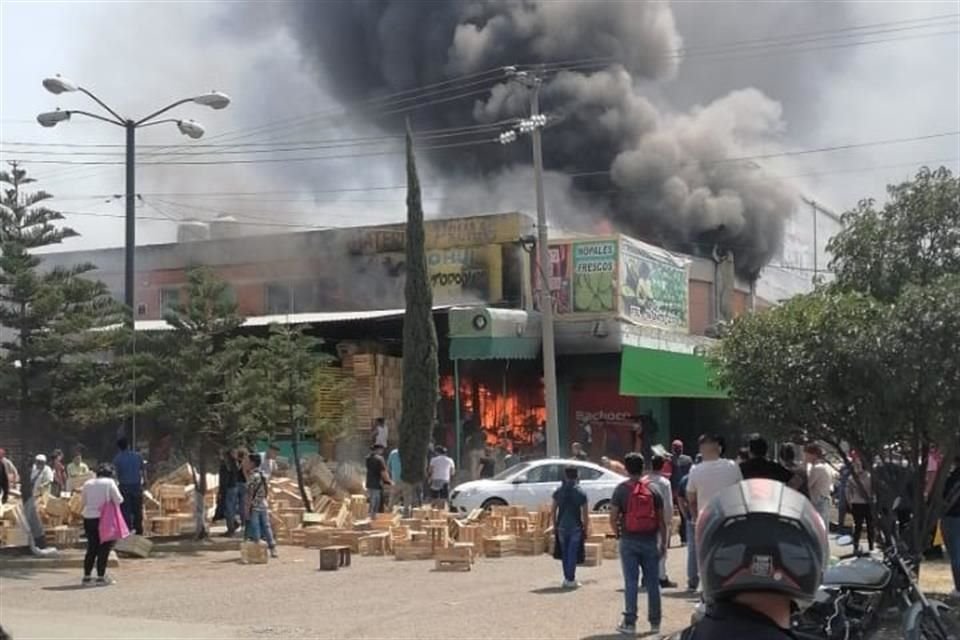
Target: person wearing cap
680,467
377,477
762,550
41,477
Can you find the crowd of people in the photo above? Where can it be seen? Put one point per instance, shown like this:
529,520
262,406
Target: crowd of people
642,509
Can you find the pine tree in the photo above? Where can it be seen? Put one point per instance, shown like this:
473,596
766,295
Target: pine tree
49,350
420,375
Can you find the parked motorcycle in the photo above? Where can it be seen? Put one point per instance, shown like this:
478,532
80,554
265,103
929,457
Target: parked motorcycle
859,589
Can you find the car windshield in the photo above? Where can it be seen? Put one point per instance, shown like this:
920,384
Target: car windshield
510,471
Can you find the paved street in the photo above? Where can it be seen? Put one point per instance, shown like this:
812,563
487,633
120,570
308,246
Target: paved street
210,595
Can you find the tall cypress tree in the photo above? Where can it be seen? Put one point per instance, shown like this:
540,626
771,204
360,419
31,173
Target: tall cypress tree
48,353
420,375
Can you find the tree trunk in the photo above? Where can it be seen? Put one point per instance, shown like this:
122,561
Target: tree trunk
298,466
420,369
200,492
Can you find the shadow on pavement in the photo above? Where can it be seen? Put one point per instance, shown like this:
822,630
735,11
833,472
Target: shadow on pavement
546,591
618,636
69,587
692,596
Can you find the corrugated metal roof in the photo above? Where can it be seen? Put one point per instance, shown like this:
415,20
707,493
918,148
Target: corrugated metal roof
297,318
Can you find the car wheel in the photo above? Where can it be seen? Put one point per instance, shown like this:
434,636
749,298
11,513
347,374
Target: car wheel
602,507
489,503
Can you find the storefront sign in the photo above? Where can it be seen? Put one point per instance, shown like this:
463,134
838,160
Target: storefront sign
594,276
602,420
559,277
654,285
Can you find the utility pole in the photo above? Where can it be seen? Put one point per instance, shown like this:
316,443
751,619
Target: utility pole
546,299
543,264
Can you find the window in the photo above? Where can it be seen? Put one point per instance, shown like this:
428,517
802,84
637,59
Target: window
169,298
546,473
587,473
279,298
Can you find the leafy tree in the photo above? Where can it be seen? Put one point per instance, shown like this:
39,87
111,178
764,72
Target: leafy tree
420,368
188,365
913,239
271,386
51,354
871,361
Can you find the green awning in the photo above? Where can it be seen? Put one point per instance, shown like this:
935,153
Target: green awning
487,348
665,374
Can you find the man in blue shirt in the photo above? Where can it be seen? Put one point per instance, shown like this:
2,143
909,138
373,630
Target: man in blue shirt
129,467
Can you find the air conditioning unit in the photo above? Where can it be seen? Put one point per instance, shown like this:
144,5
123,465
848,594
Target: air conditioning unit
486,322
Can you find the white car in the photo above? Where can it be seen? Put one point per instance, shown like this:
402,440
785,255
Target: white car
531,484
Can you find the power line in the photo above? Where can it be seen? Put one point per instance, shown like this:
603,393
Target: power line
266,160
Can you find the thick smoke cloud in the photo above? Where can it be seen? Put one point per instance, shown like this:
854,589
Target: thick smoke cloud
670,179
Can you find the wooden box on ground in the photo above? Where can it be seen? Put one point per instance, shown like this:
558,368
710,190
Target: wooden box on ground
14,536
253,552
413,550
334,557
134,545
376,544
58,507
456,558
611,548
350,539
164,526
594,555
531,545
316,537
384,521
62,536
600,524
499,546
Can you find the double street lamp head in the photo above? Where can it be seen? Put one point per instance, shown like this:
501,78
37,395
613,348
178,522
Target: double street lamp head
58,84
190,128
51,118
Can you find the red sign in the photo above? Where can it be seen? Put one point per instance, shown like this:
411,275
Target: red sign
602,420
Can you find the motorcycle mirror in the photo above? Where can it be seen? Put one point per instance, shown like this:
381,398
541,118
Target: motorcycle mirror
845,541
896,503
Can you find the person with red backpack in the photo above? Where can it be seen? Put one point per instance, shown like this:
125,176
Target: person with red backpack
638,517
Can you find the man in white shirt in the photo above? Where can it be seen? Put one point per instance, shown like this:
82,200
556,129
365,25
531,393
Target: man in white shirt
440,473
41,476
706,480
819,481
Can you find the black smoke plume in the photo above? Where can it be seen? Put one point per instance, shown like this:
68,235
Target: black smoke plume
659,174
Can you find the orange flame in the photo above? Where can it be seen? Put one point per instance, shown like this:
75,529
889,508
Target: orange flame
515,417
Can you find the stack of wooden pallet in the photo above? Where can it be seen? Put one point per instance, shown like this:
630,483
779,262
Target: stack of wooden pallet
377,381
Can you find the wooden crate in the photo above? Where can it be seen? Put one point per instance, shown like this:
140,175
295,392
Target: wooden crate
611,548
376,544
600,524
319,537
518,525
350,539
298,537
134,545
334,557
499,546
164,526
531,545
384,521
414,524
59,507
253,552
62,536
454,559
410,550
14,536
594,555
